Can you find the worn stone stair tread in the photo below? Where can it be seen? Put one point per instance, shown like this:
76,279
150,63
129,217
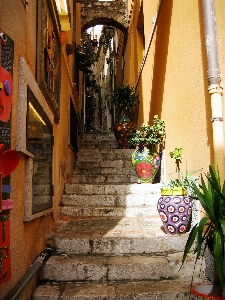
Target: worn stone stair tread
104,179
112,189
106,170
113,226
141,290
132,211
113,235
105,154
125,201
103,268
119,163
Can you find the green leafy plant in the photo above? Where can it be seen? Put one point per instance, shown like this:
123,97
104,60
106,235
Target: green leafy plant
186,180
86,55
177,154
124,97
210,231
150,136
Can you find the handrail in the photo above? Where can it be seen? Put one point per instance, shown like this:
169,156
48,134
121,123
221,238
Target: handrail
15,292
149,43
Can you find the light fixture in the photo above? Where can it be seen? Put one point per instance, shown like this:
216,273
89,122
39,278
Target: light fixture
62,6
63,10
108,32
86,37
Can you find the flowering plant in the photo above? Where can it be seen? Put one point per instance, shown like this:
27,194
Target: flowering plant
150,136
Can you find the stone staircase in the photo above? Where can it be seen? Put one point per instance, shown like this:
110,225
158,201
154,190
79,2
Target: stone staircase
108,236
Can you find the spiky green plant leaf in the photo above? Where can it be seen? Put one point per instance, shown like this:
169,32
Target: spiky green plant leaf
211,229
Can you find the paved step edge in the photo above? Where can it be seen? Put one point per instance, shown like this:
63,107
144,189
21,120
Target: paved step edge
104,179
110,211
110,200
107,170
117,268
142,290
113,189
117,243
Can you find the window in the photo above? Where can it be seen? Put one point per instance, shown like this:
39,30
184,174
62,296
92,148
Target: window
39,143
35,141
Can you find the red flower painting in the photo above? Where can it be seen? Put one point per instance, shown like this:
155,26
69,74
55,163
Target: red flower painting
144,170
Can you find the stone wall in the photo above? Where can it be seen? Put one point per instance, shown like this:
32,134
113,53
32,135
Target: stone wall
105,12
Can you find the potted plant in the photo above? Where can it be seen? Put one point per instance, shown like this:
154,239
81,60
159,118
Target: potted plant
175,204
209,233
149,142
124,98
181,185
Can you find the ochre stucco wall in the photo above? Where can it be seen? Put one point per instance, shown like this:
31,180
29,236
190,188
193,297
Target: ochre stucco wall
28,238
173,83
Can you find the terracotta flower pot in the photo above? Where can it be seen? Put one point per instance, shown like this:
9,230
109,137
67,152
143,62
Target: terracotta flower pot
122,131
201,291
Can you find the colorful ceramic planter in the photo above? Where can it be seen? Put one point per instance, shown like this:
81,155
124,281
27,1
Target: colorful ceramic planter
178,191
175,212
201,291
144,164
123,131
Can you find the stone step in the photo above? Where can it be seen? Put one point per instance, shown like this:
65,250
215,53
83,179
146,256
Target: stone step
118,200
101,268
108,211
104,170
100,145
119,163
141,290
95,141
99,137
113,189
113,236
107,179
104,154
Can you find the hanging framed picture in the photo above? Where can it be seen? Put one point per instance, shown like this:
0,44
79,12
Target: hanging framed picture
48,54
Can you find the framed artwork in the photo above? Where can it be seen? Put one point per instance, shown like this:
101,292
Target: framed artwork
48,54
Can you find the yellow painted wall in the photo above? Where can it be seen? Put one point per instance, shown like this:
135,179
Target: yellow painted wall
173,83
28,238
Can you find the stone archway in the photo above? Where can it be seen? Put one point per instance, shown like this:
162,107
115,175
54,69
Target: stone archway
113,14
95,12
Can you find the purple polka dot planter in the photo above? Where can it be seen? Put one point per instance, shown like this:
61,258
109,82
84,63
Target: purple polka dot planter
175,212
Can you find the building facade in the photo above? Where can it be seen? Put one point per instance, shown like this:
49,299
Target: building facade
160,48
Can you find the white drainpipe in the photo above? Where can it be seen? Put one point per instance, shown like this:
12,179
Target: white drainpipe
215,88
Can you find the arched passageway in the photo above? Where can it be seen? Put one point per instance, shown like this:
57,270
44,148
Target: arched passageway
100,78
104,12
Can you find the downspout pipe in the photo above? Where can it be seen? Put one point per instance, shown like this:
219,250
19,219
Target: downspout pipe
16,291
215,89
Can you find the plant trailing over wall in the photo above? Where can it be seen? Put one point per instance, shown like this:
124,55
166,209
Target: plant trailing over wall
124,97
150,136
210,231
